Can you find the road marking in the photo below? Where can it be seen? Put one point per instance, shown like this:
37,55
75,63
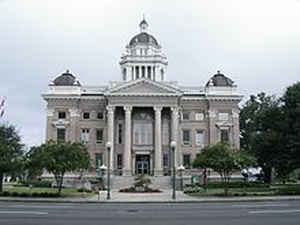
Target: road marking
24,212
262,205
42,206
275,211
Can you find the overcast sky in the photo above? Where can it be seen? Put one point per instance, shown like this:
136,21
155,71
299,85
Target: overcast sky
254,42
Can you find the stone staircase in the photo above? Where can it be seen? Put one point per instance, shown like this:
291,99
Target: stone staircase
158,182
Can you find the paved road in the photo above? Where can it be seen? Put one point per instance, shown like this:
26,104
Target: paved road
246,213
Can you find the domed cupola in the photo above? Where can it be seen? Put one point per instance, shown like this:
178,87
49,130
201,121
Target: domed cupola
143,57
220,80
66,79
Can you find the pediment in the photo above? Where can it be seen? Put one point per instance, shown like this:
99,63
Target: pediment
144,86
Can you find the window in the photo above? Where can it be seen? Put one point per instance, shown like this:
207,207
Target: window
200,138
61,134
61,115
186,138
120,161
165,132
85,135
224,135
223,116
143,71
100,116
99,136
98,160
86,115
165,160
149,72
143,132
120,133
185,115
199,116
187,161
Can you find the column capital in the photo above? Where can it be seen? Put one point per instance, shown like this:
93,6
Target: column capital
157,108
127,108
175,109
110,108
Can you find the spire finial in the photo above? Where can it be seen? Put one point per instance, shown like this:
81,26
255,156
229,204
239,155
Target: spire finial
143,24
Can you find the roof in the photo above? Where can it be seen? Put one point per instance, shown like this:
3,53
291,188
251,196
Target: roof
220,80
66,79
143,38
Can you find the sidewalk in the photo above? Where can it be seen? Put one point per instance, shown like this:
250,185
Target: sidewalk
164,197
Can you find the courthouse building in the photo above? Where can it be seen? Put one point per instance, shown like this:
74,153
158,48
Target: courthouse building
144,111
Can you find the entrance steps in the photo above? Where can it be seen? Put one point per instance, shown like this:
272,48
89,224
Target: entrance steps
158,182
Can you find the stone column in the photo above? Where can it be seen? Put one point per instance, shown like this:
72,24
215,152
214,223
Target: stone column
174,137
158,170
127,151
110,133
74,118
50,131
213,138
235,128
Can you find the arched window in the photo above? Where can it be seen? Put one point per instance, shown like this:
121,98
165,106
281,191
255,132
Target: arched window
137,72
124,74
143,71
149,72
162,74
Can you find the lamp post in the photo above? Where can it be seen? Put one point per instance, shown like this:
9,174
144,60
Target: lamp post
173,147
108,146
181,169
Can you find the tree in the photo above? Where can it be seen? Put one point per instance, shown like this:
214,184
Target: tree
34,162
291,109
224,160
63,157
10,151
262,124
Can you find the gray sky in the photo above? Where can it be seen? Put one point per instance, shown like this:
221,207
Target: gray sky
254,42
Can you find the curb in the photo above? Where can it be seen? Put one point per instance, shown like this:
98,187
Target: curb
194,201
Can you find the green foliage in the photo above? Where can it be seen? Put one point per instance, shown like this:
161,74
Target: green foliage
262,125
37,183
27,194
10,152
62,157
223,159
291,108
141,181
34,160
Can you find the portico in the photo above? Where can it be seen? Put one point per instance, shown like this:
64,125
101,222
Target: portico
143,147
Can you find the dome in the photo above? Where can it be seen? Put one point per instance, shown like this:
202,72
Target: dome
220,80
143,38
66,79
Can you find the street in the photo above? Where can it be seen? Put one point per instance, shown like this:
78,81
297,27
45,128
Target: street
233,213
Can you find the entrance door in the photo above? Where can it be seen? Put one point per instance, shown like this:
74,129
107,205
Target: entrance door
142,165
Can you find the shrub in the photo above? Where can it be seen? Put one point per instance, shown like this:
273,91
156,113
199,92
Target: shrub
37,183
84,190
194,189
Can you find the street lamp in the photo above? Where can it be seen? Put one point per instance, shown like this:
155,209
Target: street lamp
181,169
108,148
173,147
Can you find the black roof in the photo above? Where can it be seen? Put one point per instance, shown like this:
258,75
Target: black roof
220,80
66,79
143,38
